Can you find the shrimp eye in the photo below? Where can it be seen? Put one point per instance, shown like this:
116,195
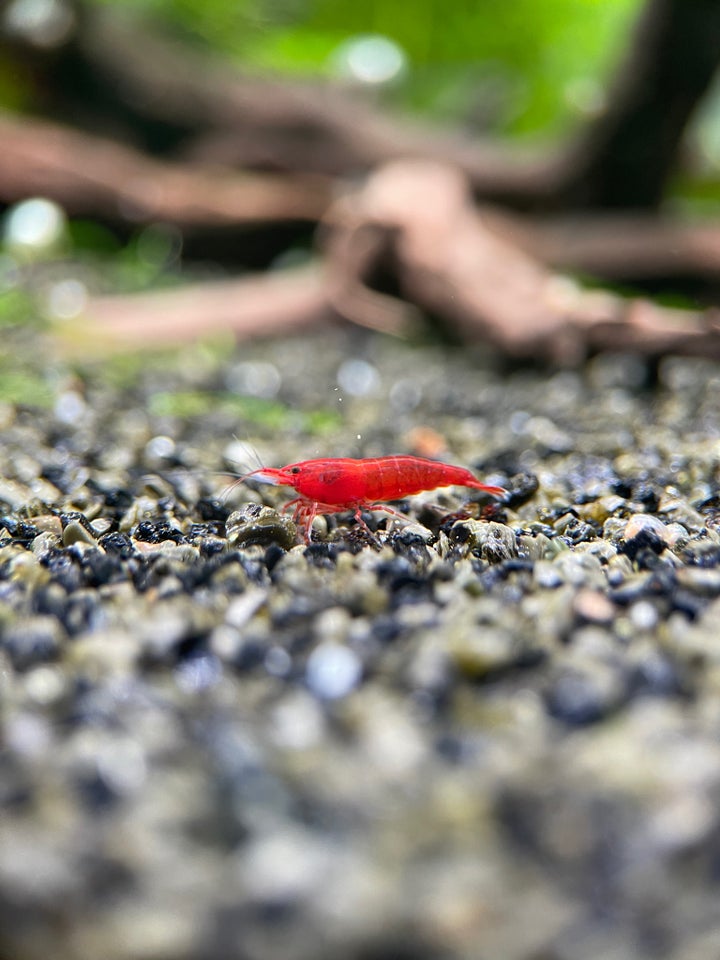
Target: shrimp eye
295,470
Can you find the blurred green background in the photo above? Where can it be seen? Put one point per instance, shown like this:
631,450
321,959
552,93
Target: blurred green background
524,67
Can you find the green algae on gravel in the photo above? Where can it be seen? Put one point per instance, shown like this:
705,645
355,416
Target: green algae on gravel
254,411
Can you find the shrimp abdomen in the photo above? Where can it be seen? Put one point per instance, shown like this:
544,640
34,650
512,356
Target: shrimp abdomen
394,477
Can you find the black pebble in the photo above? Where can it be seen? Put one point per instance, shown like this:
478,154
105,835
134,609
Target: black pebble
95,793
19,530
521,488
322,554
212,510
155,531
210,528
100,568
578,698
29,642
639,547
273,554
64,568
118,544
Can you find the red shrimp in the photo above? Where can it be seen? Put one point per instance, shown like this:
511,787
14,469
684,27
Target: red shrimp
336,484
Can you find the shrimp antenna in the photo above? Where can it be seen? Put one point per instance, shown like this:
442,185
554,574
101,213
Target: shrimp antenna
247,468
236,481
249,448
256,456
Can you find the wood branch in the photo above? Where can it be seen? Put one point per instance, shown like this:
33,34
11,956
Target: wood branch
620,247
92,176
267,304
416,219
450,263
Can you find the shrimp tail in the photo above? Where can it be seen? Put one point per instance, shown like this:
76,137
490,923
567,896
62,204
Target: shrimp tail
441,474
494,491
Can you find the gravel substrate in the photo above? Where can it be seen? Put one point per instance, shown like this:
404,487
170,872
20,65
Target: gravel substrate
492,733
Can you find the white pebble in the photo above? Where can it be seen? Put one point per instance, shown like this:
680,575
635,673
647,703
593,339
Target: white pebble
643,615
332,671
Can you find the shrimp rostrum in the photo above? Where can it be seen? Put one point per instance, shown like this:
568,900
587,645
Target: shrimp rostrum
338,484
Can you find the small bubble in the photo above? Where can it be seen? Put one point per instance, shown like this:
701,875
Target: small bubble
45,23
585,95
34,225
370,58
358,378
254,379
67,299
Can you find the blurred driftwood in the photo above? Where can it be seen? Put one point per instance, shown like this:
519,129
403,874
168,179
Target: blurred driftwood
617,247
450,262
418,219
266,304
93,176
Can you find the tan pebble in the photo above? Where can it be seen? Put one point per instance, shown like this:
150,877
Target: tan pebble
48,523
101,526
593,606
644,523
76,532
